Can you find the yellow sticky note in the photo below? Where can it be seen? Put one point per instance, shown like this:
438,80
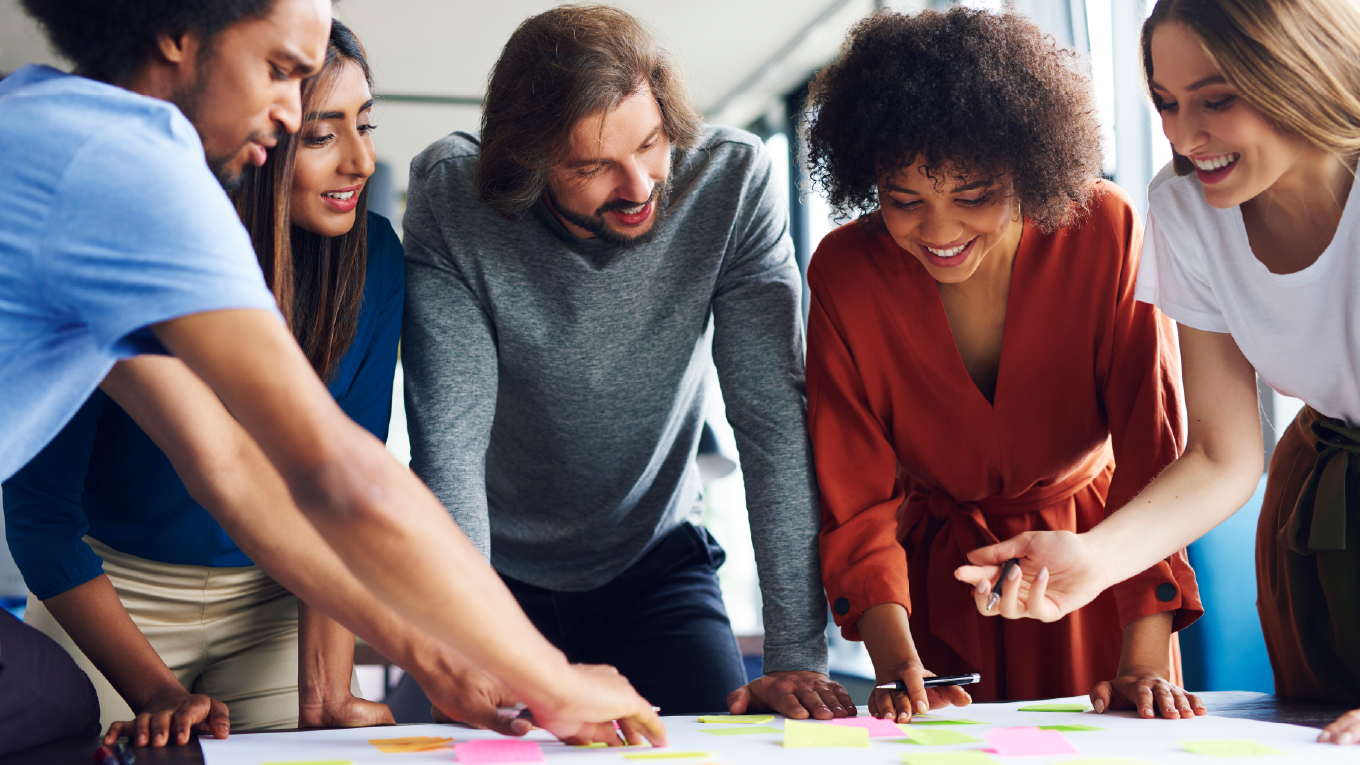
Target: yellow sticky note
665,755
971,757
801,734
742,719
739,731
410,744
937,737
1228,748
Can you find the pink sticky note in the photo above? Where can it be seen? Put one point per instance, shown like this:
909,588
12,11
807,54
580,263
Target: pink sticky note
498,750
1026,741
876,726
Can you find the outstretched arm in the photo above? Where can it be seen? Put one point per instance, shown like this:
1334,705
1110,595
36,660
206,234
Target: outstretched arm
386,528
1220,468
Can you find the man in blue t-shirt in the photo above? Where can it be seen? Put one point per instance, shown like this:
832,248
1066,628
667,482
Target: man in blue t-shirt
116,239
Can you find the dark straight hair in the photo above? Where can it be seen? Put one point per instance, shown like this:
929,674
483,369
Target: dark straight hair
317,280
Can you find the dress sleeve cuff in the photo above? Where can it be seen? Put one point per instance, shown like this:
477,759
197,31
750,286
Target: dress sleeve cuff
856,590
1168,586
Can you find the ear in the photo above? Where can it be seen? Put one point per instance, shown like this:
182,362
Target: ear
179,50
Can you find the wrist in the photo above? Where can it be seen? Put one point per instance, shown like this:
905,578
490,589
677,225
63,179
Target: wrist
1099,546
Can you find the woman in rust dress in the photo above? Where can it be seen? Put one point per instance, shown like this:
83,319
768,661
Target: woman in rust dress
978,366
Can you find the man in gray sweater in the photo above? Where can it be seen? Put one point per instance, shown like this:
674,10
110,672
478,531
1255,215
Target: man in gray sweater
571,274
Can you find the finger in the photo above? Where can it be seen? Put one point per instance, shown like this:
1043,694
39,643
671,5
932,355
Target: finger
738,700
831,701
955,695
812,702
1009,605
127,728
1166,702
219,719
899,706
982,596
143,729
1182,702
976,574
788,705
649,725
1100,696
1344,731
919,703
184,718
843,696
1198,704
997,554
1037,603
160,727
1144,702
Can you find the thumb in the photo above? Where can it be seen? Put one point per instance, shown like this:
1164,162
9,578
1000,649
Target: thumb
738,700
219,719
1100,696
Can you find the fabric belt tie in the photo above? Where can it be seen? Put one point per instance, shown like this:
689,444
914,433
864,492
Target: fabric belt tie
965,529
1318,521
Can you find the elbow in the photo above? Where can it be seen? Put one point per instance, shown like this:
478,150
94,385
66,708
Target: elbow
1238,466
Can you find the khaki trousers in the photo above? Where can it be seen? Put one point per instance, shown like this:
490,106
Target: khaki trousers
229,633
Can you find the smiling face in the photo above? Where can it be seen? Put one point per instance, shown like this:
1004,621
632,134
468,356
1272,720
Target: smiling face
950,223
612,185
335,155
247,89
1237,152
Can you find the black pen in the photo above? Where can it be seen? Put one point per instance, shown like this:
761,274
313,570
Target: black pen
936,682
1005,572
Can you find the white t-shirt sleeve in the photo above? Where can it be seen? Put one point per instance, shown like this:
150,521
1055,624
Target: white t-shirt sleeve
1172,266
141,236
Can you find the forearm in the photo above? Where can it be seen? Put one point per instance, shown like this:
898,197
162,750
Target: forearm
101,628
1194,494
886,630
325,657
1147,644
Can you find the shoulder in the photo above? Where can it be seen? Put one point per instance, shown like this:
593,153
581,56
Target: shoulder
843,255
1110,213
723,150
1176,198
454,154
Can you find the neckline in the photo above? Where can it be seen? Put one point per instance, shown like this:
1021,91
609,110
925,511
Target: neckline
1322,265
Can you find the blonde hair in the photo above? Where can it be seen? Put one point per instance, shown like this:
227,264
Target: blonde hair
1296,61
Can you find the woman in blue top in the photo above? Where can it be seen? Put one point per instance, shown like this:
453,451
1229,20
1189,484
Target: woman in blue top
177,627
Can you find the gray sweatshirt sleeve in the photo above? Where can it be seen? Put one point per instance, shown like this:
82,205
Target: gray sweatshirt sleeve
449,359
758,351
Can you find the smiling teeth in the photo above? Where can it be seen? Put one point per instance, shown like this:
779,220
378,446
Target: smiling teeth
1213,164
341,195
632,210
948,253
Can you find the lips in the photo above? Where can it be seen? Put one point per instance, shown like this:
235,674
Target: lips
949,257
342,200
634,218
1214,169
258,154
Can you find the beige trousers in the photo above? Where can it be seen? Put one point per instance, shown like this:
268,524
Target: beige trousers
229,633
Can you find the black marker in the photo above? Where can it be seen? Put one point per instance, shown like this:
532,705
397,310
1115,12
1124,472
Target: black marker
1005,572
936,682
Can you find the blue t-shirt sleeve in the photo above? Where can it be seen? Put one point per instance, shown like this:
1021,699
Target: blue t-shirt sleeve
44,517
369,398
141,232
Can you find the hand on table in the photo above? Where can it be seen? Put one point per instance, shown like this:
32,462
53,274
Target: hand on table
1144,689
467,695
170,716
899,706
1057,575
344,710
794,694
592,697
1346,729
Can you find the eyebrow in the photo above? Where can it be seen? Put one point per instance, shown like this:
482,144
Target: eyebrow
1213,79
956,190
573,164
336,115
302,65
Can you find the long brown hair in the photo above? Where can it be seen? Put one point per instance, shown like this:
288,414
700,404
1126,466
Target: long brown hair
558,67
1296,61
317,280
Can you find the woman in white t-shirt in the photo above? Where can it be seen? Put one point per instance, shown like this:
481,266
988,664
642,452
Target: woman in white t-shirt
1253,246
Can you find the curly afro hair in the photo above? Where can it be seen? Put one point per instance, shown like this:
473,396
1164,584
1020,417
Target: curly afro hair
990,94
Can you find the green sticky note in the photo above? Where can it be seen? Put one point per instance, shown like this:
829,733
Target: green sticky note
818,734
740,731
1068,728
665,755
971,757
1228,747
591,745
936,737
1055,708
960,721
742,719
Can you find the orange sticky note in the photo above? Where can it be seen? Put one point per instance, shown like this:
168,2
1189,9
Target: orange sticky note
410,744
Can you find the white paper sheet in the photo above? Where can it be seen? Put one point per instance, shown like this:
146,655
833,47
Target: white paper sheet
1153,741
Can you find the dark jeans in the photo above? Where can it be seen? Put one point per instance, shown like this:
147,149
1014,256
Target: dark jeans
661,623
43,694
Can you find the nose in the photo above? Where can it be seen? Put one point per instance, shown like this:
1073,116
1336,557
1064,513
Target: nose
287,108
938,228
636,183
359,158
1185,130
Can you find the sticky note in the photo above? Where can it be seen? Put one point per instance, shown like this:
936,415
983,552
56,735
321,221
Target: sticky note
1055,708
1013,742
800,734
740,731
742,719
875,725
1228,747
960,721
410,744
949,758
665,755
498,750
591,745
1068,728
937,737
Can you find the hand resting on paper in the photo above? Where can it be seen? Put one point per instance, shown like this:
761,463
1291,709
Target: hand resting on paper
1346,729
1144,689
899,706
170,716
797,695
463,693
1059,573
